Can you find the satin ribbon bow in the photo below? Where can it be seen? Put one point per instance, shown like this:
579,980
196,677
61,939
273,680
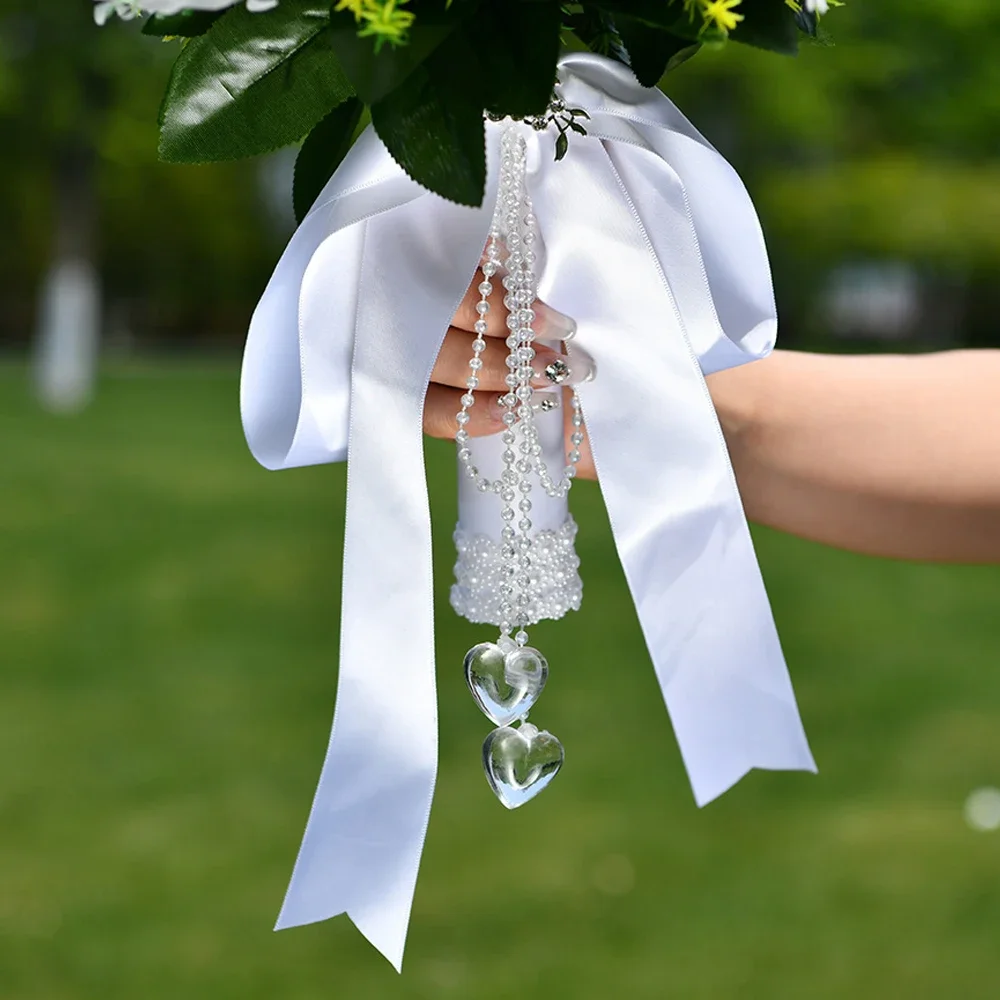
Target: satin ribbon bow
653,246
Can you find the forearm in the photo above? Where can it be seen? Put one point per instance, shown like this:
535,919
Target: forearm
890,455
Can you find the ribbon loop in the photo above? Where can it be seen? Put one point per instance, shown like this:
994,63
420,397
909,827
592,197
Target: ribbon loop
653,246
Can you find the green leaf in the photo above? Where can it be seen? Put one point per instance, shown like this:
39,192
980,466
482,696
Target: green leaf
660,13
186,24
650,49
253,83
517,48
562,145
596,29
326,145
432,124
375,74
433,129
768,24
681,56
807,22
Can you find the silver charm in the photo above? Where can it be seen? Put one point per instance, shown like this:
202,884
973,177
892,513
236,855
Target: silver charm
565,119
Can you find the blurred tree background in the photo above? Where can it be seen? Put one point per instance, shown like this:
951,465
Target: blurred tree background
182,252
874,163
881,151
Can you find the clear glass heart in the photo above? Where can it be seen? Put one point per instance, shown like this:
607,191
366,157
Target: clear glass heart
505,680
520,762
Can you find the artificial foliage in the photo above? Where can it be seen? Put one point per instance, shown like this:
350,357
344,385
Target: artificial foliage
249,81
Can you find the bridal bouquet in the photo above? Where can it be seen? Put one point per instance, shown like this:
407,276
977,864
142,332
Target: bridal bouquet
522,146
252,79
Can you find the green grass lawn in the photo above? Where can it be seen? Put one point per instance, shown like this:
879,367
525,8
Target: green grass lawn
168,633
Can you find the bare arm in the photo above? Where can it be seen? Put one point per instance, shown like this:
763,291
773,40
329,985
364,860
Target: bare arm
889,455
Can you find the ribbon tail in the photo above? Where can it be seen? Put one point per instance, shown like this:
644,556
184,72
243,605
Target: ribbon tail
362,846
664,470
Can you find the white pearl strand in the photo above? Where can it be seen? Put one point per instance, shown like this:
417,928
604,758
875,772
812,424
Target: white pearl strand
515,228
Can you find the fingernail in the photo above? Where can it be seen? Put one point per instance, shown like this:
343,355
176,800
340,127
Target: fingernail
552,324
561,369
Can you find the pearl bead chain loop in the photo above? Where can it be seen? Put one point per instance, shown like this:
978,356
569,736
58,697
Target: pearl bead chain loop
513,233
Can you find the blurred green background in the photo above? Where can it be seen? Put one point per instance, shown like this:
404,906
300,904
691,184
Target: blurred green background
168,610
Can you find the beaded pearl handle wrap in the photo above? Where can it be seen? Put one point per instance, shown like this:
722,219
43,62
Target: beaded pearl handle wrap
520,567
652,245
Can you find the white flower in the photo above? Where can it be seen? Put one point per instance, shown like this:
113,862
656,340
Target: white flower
104,9
127,9
817,6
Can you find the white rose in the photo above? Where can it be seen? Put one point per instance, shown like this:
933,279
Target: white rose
127,9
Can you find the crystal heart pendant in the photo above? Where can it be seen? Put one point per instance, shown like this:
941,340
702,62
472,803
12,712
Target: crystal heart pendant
505,679
520,762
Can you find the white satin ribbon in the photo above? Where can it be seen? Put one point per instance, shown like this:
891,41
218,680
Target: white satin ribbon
653,246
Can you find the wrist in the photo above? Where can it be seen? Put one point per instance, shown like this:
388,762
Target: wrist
737,395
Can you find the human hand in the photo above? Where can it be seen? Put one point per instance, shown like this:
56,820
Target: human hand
554,368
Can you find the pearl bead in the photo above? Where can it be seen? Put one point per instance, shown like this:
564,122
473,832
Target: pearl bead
505,583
